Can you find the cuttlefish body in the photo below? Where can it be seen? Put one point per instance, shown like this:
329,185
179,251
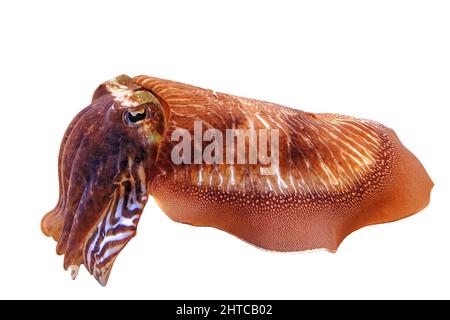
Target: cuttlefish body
318,178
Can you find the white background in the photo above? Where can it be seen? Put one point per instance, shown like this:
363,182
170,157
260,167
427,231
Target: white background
384,60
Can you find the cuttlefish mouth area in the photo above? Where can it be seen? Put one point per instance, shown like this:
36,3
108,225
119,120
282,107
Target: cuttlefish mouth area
102,193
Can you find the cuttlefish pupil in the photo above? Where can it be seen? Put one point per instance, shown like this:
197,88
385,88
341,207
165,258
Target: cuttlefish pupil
335,174
136,117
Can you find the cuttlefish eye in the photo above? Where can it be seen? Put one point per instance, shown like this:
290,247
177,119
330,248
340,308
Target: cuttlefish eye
133,118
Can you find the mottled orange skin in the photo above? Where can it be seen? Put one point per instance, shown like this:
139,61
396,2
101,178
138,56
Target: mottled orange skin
336,174
284,219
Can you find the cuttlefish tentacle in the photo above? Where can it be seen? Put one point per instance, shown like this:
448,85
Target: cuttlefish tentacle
51,224
326,176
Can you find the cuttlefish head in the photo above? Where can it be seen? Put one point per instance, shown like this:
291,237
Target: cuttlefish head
105,164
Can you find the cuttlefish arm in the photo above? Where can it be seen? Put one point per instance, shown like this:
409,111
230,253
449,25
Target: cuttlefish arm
327,176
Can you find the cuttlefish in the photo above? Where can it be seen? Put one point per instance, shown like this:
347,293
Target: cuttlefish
304,181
